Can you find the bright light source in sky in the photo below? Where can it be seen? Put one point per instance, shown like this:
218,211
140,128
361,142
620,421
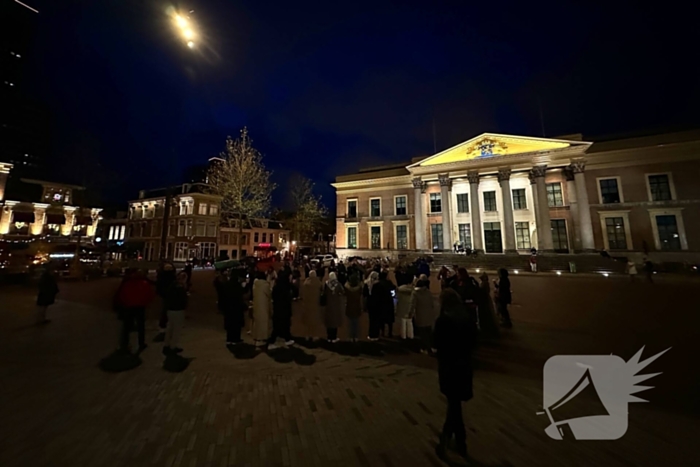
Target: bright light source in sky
188,34
190,44
181,22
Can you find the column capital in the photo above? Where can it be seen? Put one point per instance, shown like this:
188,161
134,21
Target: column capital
538,171
473,177
419,184
445,180
578,166
504,174
568,172
531,176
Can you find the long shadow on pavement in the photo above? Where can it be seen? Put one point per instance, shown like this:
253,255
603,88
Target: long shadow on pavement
244,351
292,354
120,361
355,349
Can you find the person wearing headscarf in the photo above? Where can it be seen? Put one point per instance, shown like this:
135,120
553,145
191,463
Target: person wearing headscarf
423,309
404,313
504,297
335,306
311,302
487,315
281,311
262,296
372,293
353,306
454,340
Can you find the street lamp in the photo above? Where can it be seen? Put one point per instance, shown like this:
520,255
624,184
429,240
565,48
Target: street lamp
184,26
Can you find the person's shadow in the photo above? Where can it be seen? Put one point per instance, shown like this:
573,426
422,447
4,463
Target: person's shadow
244,351
175,363
120,361
292,354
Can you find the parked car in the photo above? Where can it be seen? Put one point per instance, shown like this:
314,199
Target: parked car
325,260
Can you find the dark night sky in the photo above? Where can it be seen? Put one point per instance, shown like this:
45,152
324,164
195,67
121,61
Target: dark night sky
327,87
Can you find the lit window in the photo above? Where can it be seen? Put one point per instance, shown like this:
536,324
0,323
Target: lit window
202,209
352,237
213,210
522,236
402,237
615,228
554,196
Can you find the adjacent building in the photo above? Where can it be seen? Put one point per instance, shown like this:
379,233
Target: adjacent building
504,194
188,229
259,237
42,210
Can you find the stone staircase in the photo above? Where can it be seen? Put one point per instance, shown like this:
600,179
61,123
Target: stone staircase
584,263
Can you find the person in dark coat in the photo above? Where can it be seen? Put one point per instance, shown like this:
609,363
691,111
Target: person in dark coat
503,297
388,312
165,277
374,294
281,311
454,338
220,283
176,300
48,289
234,308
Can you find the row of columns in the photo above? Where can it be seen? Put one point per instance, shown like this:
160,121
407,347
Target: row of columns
578,200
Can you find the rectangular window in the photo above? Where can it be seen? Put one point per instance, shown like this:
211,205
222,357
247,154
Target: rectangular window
256,237
436,236
660,188
180,251
272,238
402,237
400,205
462,202
181,228
111,232
202,209
609,191
375,233
352,237
352,208
519,199
211,229
435,202
560,240
465,235
375,207
522,235
225,239
200,231
615,229
669,237
490,201
493,242
554,195
213,210
264,237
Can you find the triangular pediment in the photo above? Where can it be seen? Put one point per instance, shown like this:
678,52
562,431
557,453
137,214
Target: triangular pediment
490,145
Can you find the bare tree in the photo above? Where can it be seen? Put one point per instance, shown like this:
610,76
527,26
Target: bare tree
241,179
308,209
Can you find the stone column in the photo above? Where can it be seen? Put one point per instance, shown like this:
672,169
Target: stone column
573,207
509,224
535,207
418,214
544,230
37,228
445,197
477,237
584,210
67,228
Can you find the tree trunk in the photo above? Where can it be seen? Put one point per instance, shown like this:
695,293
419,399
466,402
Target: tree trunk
240,236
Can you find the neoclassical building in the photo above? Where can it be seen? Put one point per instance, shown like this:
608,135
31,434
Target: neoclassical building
504,194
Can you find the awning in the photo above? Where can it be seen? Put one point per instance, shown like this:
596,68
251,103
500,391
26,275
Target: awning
83,220
26,217
56,219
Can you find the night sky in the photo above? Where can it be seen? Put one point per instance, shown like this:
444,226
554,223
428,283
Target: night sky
328,87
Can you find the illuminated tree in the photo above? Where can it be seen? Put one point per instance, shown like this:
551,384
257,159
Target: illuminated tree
241,179
308,209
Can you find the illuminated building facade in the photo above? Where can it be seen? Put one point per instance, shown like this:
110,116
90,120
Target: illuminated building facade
259,237
503,194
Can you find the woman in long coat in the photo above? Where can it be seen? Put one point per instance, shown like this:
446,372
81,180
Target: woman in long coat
48,289
335,306
423,310
488,326
262,296
311,302
454,339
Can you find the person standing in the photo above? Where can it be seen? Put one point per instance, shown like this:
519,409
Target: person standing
404,313
281,311
165,277
372,296
334,293
649,270
503,297
220,286
631,270
454,341
533,262
262,296
423,310
176,301
487,316
188,272
48,289
388,312
234,308
132,298
353,306
311,303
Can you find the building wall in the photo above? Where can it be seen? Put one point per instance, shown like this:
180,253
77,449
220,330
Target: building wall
228,240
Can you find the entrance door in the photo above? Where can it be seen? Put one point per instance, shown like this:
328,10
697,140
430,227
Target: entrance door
492,237
560,240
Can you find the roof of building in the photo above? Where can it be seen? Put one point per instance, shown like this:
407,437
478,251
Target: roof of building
617,143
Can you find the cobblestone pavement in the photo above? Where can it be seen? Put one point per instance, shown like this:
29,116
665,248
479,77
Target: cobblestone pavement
300,407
